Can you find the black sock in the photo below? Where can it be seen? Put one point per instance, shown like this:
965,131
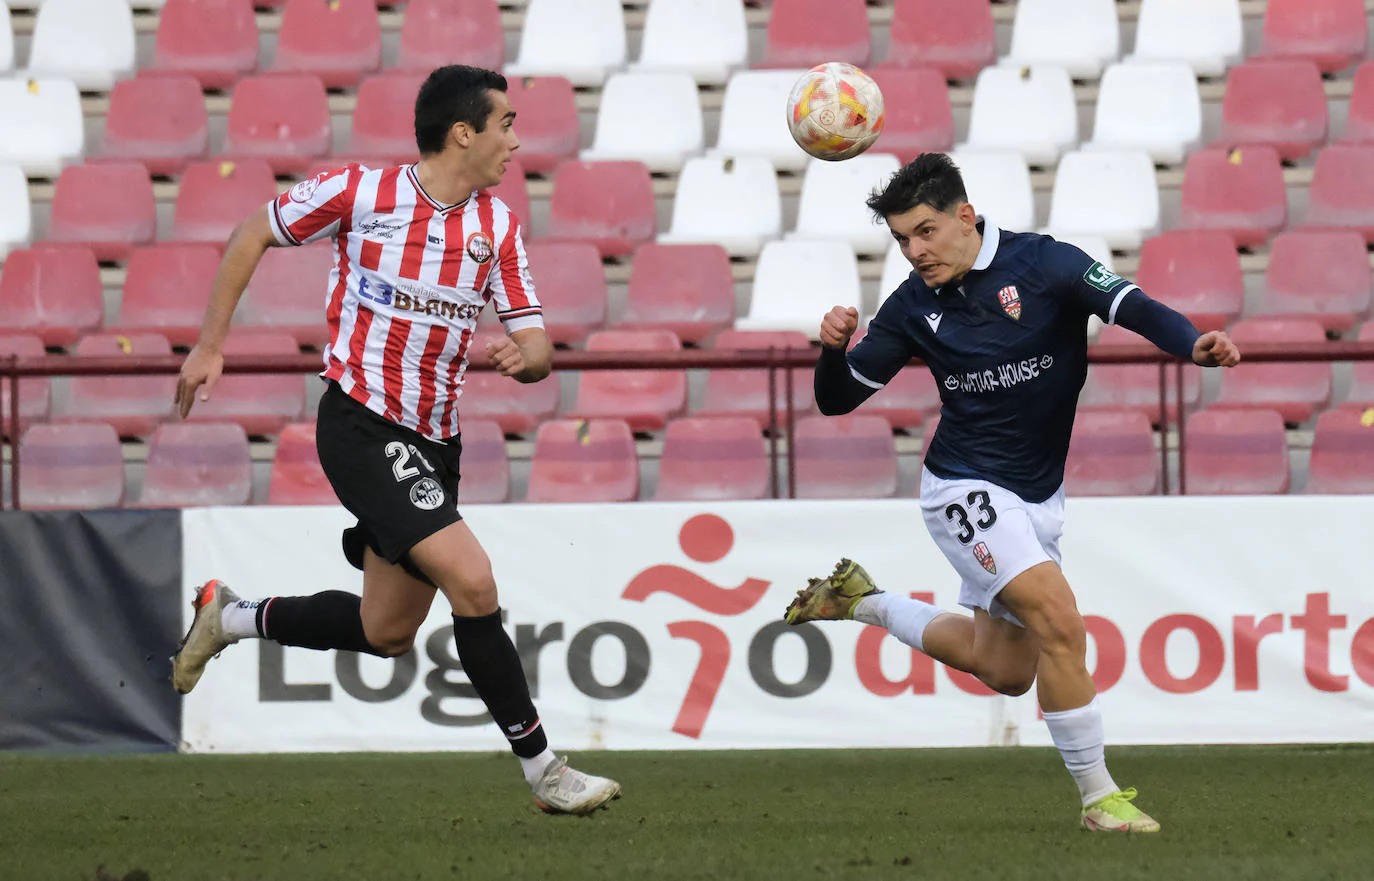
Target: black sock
331,619
493,667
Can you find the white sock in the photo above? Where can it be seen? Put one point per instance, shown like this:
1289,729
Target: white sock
903,617
240,620
1081,741
534,768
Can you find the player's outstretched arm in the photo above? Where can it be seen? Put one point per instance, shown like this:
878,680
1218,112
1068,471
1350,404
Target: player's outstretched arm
526,355
1216,349
837,391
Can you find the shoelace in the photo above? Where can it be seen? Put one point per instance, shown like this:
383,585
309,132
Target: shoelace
1121,801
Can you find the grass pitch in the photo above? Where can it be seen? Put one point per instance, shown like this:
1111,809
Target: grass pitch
1228,813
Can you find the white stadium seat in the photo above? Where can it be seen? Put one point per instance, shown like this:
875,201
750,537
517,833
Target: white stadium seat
16,222
796,283
1207,35
1150,107
652,117
582,40
1031,112
832,202
1114,195
753,121
88,41
42,129
896,269
705,38
733,203
999,186
6,41
1081,35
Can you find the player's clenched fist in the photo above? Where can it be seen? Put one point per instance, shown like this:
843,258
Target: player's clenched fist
838,325
507,357
1216,349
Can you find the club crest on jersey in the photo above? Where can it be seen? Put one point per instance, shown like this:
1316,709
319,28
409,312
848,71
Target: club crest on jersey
479,247
1011,301
984,556
302,191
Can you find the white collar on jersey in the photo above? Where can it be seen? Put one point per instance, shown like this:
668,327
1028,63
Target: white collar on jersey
992,236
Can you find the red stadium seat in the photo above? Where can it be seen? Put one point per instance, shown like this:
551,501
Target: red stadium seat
571,287
1297,391
610,204
1342,460
384,120
215,41
106,206
440,32
1111,453
339,41
849,457
486,466
919,118
132,404
712,459
581,462
289,292
1196,272
1236,453
216,196
159,120
518,407
1342,191
1135,387
645,399
166,289
192,465
35,392
688,289
546,109
1240,192
297,478
70,467
1278,103
1319,274
1359,123
955,36
1361,393
731,392
804,33
53,291
907,400
515,192
281,118
260,404
1331,33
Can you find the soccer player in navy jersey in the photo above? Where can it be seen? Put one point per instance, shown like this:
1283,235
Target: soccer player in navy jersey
1000,318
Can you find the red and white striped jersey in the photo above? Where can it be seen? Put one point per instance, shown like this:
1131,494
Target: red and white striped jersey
409,279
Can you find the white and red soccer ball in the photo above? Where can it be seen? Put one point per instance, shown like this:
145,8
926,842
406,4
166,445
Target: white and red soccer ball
835,111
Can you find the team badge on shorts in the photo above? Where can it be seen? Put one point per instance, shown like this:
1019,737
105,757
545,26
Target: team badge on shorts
984,556
426,494
479,247
1011,301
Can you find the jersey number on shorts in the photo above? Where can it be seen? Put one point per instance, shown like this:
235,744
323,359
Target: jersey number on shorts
957,513
402,467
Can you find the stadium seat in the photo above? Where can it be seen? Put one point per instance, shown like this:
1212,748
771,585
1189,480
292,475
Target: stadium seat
795,283
1331,33
578,39
260,404
215,41
1359,122
998,186
440,32
1361,393
35,392
610,204
958,39
832,206
896,269
518,407
644,399
1196,272
804,33
1206,36
654,118
734,203
1277,103
106,206
1236,453
43,128
1342,192
486,465
744,392
1317,274
16,224
1112,453
704,38
70,467
384,119
1029,112
515,192
159,120
53,291
90,42
166,290
1297,391
1083,36
214,197
571,287
289,292
751,123
1135,387
339,41
6,43
583,462
711,460
1342,460
919,117
548,126
297,477
850,457
1153,107
1240,192
198,464
282,119
687,289
1107,193
132,404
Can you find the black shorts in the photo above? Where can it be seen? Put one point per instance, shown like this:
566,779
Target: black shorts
401,485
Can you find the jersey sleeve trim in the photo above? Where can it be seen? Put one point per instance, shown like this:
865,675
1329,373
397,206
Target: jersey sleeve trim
280,230
1116,302
865,380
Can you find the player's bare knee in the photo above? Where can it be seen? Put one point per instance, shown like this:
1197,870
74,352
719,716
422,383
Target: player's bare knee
1012,683
390,642
1062,631
472,594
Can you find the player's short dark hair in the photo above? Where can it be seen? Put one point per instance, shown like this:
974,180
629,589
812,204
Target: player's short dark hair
450,95
930,179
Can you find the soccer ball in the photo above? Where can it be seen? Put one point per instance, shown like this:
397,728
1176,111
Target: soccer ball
835,111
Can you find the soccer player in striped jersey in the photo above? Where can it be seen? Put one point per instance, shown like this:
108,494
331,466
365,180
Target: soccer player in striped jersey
419,250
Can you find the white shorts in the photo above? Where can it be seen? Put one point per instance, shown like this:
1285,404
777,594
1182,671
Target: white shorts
990,535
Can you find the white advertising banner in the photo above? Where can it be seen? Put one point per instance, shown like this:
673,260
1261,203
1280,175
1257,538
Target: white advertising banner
659,626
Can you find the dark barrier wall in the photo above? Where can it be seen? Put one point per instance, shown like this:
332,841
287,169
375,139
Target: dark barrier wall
90,611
